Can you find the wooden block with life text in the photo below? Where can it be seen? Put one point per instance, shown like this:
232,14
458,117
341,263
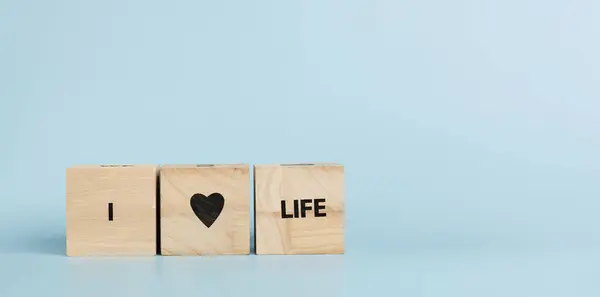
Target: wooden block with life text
205,209
111,210
299,209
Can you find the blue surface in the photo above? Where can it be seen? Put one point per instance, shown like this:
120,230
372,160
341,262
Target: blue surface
469,131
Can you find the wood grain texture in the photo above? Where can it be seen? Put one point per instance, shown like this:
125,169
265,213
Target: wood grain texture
302,235
132,191
182,232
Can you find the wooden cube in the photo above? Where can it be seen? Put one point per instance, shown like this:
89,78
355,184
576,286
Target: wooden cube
299,209
205,209
111,210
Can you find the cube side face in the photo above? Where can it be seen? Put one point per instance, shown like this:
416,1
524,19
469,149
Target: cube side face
285,202
205,210
132,193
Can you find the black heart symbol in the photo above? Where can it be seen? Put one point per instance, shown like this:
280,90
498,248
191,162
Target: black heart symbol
207,209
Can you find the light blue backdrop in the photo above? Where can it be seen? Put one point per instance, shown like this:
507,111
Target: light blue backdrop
469,131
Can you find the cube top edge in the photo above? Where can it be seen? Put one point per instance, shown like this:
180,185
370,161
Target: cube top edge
316,164
241,165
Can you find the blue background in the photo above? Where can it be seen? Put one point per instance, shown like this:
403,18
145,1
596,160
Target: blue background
469,131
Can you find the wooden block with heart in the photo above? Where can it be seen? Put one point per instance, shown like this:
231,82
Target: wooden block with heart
205,209
299,208
111,210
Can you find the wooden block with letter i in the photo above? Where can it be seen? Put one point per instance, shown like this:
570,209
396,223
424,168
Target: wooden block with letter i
299,208
205,209
111,210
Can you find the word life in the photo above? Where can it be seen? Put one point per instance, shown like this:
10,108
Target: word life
302,206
